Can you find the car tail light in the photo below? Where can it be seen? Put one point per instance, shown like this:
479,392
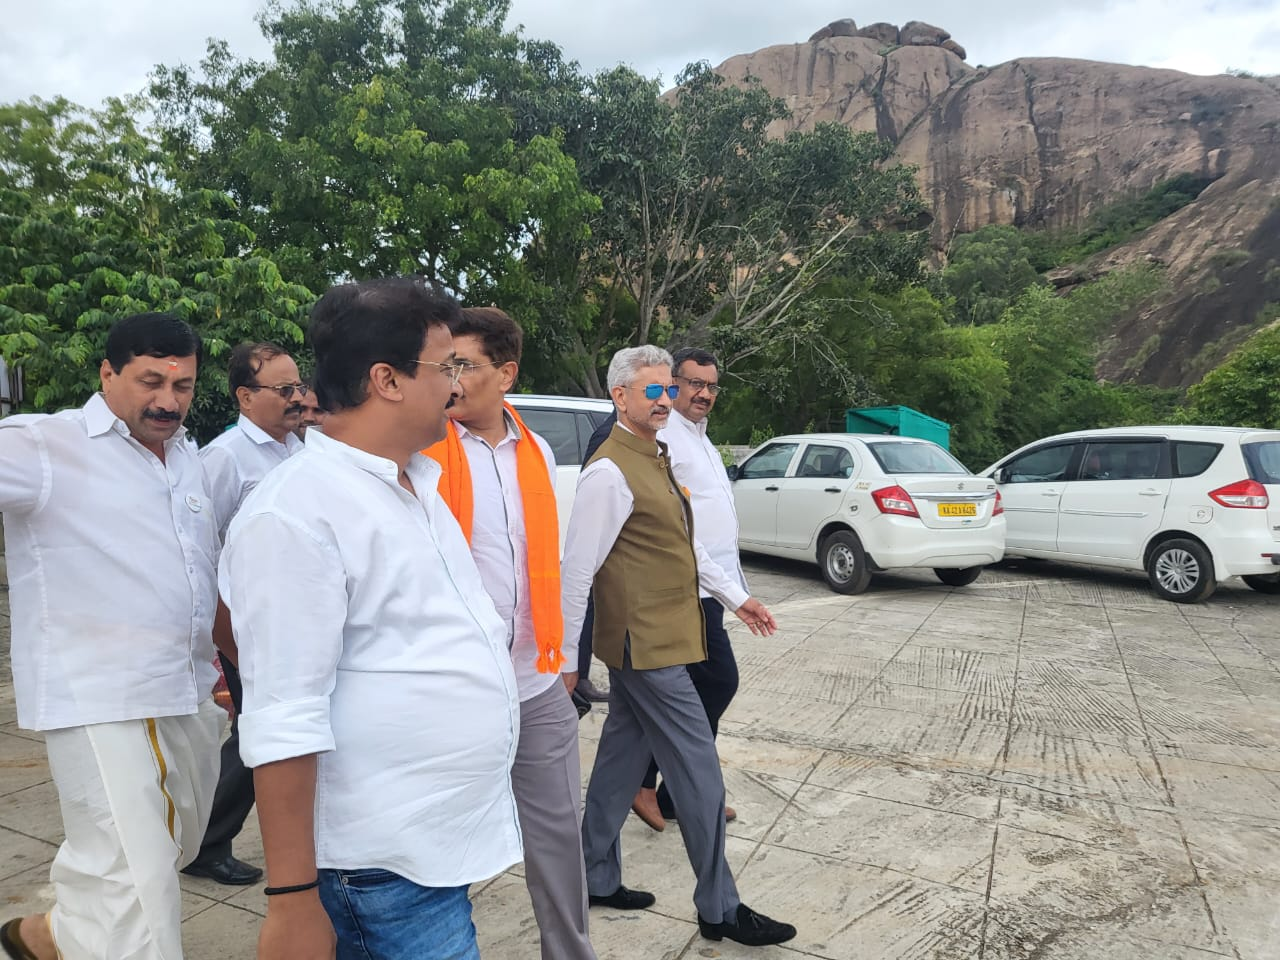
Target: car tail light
895,500
999,505
1249,494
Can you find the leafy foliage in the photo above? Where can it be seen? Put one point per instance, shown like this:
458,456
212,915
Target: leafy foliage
988,270
92,230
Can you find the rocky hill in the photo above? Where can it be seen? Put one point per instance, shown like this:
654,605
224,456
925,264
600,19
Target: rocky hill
1046,142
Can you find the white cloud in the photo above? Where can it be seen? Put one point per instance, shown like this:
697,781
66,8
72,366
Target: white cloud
71,47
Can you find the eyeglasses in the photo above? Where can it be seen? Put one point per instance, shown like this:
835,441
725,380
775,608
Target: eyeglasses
466,366
654,390
450,368
697,386
285,390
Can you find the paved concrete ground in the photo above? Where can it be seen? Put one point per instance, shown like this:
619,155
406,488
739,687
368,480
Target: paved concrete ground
1048,764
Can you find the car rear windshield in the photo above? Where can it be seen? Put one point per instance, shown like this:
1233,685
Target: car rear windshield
1263,460
914,458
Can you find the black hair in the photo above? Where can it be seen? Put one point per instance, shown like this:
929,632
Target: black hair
151,335
247,360
502,337
355,325
701,357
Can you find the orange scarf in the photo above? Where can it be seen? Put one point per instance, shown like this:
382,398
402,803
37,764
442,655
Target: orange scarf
542,528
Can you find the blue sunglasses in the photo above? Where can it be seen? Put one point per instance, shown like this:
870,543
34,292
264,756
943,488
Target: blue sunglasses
654,390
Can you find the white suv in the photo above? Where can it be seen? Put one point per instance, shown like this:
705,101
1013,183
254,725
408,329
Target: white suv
859,503
1189,505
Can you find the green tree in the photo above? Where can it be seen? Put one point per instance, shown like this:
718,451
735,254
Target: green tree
378,140
91,229
988,270
713,231
1245,390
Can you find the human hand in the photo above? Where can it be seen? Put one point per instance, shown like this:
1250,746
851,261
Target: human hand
297,928
757,617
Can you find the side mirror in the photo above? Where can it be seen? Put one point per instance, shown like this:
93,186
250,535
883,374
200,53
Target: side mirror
732,470
1001,476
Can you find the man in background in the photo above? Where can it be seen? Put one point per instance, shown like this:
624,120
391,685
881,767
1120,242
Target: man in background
263,380
499,482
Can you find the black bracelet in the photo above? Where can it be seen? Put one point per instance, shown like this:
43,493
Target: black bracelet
296,888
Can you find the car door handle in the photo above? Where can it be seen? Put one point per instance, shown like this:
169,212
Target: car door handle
831,490
1151,493
1049,493
772,489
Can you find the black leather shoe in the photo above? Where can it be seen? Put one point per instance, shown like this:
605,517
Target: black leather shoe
624,899
229,870
591,692
751,929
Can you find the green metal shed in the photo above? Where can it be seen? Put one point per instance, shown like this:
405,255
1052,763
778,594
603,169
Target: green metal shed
898,421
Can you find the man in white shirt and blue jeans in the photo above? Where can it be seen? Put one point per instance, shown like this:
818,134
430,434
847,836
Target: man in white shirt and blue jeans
112,544
381,713
499,479
263,381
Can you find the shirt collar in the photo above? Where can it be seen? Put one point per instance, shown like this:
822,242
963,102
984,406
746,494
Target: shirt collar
260,436
513,430
699,428
99,419
423,471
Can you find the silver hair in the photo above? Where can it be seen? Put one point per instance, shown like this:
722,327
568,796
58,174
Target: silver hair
627,363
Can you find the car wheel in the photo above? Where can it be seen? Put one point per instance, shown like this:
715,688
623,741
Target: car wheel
961,577
1264,582
1181,571
844,562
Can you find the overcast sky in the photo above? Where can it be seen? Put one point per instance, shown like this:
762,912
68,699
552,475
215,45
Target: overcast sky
90,50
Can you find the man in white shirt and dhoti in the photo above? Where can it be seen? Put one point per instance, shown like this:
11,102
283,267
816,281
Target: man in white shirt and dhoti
111,544
381,714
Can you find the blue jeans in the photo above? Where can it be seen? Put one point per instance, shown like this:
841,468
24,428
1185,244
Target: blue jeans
379,915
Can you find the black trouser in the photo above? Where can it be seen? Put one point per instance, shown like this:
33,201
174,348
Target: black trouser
584,639
233,799
716,681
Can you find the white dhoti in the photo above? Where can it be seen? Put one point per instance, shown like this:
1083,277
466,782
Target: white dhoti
135,799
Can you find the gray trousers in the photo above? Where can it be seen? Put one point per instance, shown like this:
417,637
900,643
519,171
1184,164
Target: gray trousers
658,712
547,781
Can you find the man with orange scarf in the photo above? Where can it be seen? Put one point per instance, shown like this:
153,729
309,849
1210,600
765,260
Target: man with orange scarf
499,481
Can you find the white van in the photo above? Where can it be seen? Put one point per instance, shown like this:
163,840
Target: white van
566,423
1191,506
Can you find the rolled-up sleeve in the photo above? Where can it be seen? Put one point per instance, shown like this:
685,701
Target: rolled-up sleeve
287,592
24,466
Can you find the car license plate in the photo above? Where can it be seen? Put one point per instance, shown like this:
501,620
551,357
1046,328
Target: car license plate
957,509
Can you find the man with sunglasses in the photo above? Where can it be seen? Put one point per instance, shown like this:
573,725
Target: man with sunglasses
696,464
631,543
264,381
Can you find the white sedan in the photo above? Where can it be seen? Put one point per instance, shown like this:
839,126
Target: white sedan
862,503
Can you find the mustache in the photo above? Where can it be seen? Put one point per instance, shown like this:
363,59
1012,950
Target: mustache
292,408
163,416
452,401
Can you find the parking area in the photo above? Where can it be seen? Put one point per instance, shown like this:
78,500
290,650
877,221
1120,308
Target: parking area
1049,764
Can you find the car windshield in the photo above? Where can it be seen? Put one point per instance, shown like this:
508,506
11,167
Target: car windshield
1263,460
899,457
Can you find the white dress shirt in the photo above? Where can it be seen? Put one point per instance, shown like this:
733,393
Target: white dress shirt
112,559
601,506
500,546
697,466
366,636
236,461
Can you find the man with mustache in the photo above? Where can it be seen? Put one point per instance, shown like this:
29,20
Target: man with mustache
311,413
631,543
112,544
263,380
